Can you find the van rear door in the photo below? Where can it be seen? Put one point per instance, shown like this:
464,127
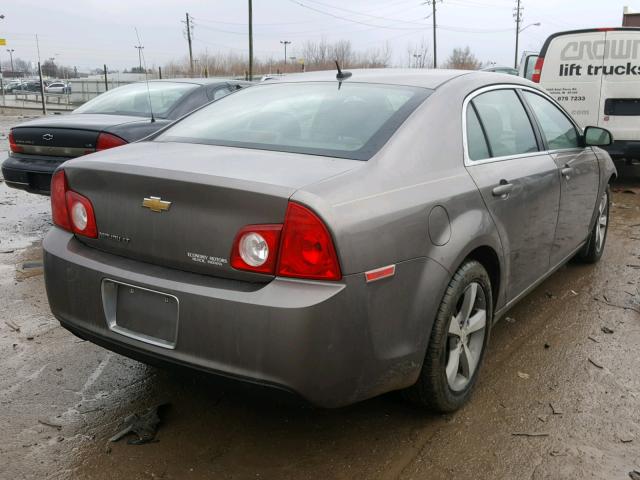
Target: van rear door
620,93
571,73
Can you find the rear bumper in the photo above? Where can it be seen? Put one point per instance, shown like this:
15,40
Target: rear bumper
627,149
31,174
333,343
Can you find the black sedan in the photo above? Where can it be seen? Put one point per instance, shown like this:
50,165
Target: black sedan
115,118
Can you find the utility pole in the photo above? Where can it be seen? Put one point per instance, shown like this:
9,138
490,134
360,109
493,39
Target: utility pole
285,43
189,28
250,39
432,3
517,15
106,84
139,47
11,50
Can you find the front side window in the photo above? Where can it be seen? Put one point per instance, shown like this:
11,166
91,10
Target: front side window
556,127
505,121
351,120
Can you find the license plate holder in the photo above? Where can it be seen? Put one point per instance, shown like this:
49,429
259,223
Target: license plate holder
140,313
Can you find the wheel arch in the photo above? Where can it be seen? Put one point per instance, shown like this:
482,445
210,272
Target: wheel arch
488,258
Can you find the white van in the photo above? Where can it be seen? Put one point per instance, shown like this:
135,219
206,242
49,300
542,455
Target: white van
595,75
527,64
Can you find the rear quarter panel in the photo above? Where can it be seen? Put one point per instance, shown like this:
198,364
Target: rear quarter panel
379,215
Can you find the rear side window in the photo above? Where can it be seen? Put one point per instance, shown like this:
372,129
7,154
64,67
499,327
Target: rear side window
556,127
476,141
505,121
622,106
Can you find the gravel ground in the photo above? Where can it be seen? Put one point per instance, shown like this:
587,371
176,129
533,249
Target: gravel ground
558,397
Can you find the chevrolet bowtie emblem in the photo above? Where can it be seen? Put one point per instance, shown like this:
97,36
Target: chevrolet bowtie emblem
156,204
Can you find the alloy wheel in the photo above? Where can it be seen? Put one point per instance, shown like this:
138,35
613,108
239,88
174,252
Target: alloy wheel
603,218
467,329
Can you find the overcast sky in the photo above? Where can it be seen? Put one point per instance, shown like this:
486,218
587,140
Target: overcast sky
88,33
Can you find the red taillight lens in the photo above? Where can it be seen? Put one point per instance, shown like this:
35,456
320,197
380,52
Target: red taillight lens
255,248
59,212
306,248
13,146
70,210
303,243
537,70
107,140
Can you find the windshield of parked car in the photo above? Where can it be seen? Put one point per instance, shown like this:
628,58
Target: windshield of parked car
133,99
352,120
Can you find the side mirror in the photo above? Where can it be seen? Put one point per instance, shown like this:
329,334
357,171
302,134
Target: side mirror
597,137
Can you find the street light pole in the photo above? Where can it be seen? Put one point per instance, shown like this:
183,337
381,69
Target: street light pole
11,50
250,40
537,24
139,47
285,43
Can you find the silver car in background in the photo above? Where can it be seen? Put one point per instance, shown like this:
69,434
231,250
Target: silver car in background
334,237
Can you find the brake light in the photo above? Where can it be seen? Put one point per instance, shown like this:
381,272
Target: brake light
255,248
13,146
306,248
59,212
537,70
301,248
70,210
107,140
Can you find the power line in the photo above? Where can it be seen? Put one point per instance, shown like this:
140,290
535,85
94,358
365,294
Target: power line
348,19
365,14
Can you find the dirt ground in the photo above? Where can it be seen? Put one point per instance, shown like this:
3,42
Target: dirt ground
558,397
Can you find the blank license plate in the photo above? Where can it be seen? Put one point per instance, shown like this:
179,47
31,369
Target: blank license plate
141,313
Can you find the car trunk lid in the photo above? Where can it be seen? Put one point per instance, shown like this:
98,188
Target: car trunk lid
181,205
67,136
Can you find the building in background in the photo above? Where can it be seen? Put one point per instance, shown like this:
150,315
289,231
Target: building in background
630,18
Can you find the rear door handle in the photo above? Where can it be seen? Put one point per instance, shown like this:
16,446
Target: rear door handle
566,171
503,189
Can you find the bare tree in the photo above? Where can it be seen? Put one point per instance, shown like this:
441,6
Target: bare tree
419,54
463,59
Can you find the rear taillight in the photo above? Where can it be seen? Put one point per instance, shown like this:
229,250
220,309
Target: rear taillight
537,70
256,248
13,146
59,212
306,249
107,140
301,248
70,210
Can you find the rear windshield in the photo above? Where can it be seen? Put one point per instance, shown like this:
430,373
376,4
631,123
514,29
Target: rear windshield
352,120
134,99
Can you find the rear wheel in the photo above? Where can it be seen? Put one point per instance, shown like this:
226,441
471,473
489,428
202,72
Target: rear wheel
458,341
594,248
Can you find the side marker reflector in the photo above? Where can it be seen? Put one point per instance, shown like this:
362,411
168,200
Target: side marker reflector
380,273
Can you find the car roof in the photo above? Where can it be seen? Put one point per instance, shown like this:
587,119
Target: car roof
553,36
413,77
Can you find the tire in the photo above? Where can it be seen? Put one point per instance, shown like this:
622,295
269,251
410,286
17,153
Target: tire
594,247
444,385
